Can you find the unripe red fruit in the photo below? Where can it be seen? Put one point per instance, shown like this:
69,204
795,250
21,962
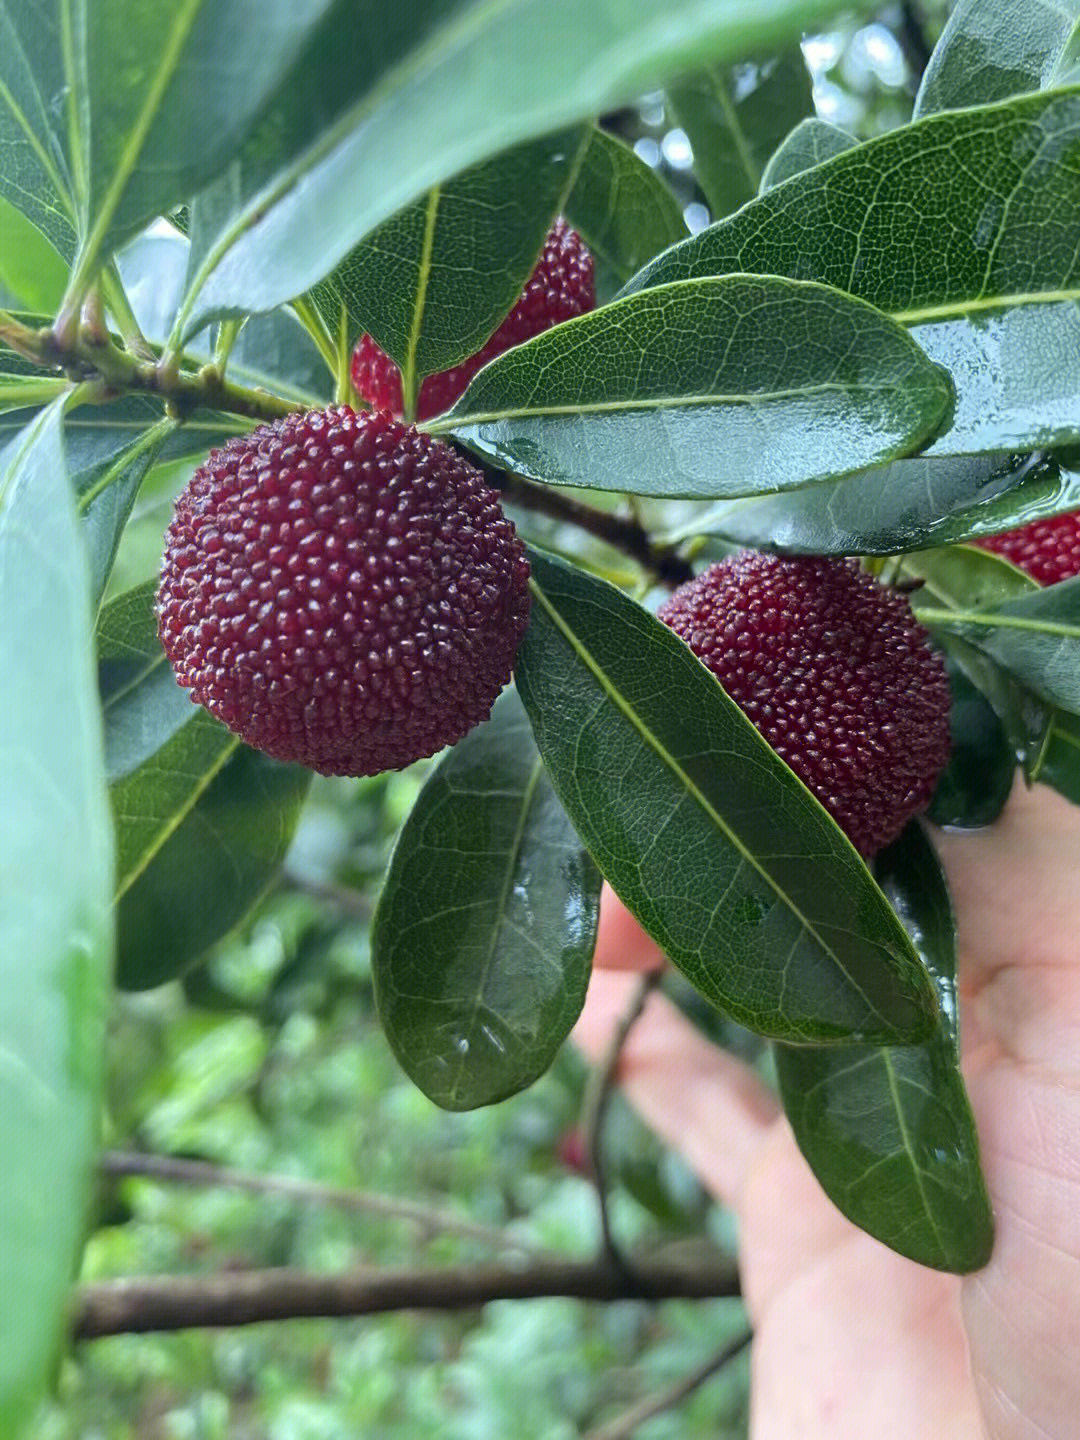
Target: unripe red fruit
1048,550
561,286
342,591
836,673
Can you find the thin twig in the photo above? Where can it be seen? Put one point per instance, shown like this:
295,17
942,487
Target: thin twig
352,904
619,531
198,1172
627,1424
911,35
125,1307
594,1108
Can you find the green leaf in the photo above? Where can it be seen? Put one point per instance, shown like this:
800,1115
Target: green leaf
222,856
1059,762
30,268
621,207
1035,638
812,142
709,388
163,93
433,283
482,942
35,176
735,117
162,752
399,118
962,227
907,505
978,779
956,579
989,51
889,1132
106,489
55,881
725,858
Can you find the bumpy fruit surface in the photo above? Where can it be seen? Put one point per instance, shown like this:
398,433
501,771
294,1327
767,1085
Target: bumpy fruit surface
561,286
835,672
1048,550
342,591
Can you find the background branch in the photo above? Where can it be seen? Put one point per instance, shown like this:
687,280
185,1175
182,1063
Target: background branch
155,1303
198,1172
631,1420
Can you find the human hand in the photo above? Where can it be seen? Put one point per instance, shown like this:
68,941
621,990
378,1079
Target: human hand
850,1339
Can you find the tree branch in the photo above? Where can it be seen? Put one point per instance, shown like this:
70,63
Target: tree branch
619,531
198,1172
125,1307
628,1424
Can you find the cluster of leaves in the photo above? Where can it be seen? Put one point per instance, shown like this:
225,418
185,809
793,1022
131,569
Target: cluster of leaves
876,354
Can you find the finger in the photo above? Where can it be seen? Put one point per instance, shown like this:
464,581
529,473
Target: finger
699,1100
621,943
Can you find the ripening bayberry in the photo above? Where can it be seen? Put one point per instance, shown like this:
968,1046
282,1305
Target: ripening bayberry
1048,550
835,672
342,591
561,286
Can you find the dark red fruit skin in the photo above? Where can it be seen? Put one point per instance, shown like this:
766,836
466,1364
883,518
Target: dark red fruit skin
1048,550
835,672
342,591
561,286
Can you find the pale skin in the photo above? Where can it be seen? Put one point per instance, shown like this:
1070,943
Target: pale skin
851,1341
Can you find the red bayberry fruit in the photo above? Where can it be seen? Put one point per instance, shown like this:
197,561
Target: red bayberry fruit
342,591
560,287
1048,550
836,673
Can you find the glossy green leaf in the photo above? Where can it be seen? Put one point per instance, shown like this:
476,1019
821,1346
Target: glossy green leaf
725,858
621,207
735,117
30,268
162,94
978,779
907,505
990,51
106,489
962,227
956,579
221,857
34,175
483,939
708,388
162,752
403,97
889,1132
55,939
810,143
433,283
1035,638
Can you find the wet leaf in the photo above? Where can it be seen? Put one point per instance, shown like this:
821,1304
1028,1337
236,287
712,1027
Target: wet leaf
725,858
888,1131
483,939
708,388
